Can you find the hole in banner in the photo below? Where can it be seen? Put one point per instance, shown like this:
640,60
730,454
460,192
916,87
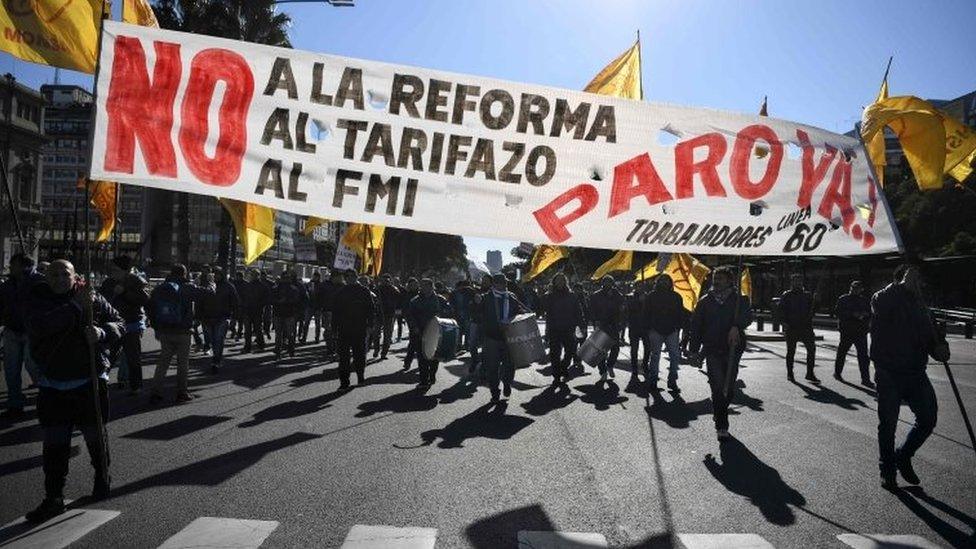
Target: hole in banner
757,208
378,100
597,173
793,151
320,130
668,136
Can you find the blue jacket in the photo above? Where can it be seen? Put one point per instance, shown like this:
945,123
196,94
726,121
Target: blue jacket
189,294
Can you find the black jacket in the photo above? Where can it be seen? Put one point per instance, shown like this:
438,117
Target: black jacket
14,299
354,310
796,308
665,311
288,299
389,298
490,323
712,320
55,329
221,304
131,302
848,308
563,310
254,297
902,331
606,310
635,311
422,309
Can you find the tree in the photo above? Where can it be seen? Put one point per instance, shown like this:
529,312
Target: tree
252,21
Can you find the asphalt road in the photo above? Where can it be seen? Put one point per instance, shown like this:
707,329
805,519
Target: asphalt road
308,466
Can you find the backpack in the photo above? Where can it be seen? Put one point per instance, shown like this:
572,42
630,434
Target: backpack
167,305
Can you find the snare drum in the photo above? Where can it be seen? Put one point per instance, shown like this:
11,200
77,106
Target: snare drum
596,347
441,339
523,340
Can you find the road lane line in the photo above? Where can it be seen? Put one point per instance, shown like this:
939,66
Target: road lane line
225,533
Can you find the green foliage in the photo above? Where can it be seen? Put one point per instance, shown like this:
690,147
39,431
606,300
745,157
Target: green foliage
933,223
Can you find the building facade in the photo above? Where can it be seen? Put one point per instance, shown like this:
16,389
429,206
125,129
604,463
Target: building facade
67,126
494,261
21,143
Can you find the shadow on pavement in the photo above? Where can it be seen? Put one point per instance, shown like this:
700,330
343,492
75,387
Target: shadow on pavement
488,421
677,413
293,408
215,470
177,428
741,472
411,400
601,395
912,497
502,529
822,394
549,399
29,463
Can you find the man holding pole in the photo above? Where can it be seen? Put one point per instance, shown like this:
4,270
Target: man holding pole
903,336
71,329
718,330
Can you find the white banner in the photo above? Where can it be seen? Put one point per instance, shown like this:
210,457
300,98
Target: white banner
399,146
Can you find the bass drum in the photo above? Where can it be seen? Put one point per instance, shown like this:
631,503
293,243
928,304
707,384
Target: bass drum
596,347
441,339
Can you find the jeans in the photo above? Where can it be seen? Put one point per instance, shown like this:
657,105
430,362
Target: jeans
672,344
637,336
59,413
498,364
216,332
253,328
130,370
172,344
284,335
860,342
562,348
917,391
805,336
16,357
717,365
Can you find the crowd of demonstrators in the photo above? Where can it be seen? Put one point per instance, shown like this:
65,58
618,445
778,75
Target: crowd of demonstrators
64,335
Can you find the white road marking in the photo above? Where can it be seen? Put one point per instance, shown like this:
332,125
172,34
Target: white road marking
225,533
882,541
560,540
59,532
724,541
363,536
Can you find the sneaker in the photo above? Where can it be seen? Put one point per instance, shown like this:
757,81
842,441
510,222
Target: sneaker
889,482
790,376
610,371
907,471
507,390
495,397
48,509
12,413
812,378
183,398
838,377
723,434
673,385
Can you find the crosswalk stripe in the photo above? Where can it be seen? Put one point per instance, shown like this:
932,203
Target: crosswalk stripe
724,541
362,536
228,533
560,540
882,541
60,531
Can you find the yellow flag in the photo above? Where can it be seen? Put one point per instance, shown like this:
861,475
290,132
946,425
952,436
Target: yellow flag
622,77
876,145
545,255
312,222
367,242
101,195
255,226
688,275
921,130
621,261
960,148
745,283
139,12
651,269
60,33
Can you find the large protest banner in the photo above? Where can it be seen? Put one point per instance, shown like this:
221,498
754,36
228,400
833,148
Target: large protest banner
406,147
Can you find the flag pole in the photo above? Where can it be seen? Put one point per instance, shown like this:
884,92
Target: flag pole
89,319
640,67
887,68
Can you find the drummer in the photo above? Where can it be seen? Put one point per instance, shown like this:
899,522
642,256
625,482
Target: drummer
420,311
498,307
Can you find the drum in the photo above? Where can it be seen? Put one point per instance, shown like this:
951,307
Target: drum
440,339
596,347
523,340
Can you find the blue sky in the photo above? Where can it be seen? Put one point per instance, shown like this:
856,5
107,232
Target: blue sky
818,61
